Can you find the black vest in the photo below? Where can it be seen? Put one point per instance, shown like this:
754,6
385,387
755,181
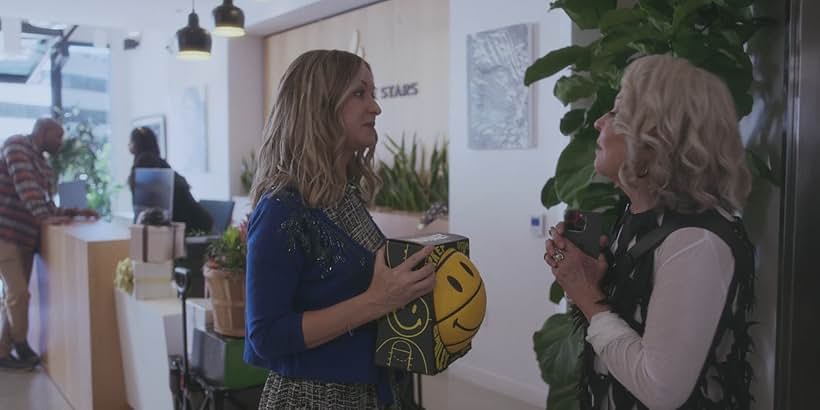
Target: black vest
629,282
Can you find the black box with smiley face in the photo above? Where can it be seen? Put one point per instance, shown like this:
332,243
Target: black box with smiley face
431,332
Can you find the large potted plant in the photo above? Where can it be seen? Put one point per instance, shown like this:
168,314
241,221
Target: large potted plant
414,194
712,34
84,157
224,273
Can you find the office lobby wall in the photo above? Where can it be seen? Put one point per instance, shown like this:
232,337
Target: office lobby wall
495,212
407,45
150,80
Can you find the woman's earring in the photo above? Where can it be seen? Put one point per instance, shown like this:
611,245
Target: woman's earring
644,172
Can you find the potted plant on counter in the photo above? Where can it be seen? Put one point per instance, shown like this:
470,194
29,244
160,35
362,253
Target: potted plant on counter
414,194
224,273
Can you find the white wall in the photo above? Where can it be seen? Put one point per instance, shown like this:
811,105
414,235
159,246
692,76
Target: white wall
150,80
245,104
492,195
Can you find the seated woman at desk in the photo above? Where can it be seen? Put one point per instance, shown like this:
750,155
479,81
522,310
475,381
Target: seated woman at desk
143,145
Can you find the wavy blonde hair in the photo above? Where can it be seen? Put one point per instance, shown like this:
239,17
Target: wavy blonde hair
304,142
681,132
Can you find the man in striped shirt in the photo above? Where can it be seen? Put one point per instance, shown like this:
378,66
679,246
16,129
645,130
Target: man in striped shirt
26,185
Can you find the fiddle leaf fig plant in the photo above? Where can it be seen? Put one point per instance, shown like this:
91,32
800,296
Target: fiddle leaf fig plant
712,34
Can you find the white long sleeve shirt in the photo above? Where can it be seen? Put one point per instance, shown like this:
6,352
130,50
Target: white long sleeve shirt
692,274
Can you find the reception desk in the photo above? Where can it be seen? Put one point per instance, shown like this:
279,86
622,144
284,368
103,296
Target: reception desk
72,317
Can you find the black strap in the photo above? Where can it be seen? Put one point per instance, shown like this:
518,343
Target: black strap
731,232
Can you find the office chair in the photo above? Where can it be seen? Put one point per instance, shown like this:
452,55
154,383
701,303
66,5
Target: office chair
221,212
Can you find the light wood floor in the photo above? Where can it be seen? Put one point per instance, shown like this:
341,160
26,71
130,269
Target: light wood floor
35,391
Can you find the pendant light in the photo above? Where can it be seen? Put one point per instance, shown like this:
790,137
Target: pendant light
229,20
194,41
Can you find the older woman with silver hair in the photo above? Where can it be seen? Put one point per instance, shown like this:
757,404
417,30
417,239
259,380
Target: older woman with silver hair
667,301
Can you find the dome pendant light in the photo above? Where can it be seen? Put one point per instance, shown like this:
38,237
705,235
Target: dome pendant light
229,20
194,41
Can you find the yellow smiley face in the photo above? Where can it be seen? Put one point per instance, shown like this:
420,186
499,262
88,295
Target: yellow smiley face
459,300
410,321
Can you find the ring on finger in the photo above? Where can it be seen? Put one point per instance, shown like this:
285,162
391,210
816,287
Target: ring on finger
558,256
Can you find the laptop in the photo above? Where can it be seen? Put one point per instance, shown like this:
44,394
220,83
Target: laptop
72,195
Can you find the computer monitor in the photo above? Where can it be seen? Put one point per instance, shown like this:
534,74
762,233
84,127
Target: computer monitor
221,213
153,188
72,194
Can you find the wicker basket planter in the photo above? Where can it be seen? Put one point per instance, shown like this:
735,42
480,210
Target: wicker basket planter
227,295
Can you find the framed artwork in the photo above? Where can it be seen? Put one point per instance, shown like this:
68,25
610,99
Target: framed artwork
157,124
499,105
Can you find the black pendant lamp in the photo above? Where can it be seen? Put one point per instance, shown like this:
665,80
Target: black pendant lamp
194,41
229,20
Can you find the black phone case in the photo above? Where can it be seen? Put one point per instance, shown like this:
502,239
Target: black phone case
587,240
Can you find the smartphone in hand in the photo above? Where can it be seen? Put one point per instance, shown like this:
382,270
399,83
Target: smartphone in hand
584,230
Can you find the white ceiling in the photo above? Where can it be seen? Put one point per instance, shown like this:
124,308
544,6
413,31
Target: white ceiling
261,17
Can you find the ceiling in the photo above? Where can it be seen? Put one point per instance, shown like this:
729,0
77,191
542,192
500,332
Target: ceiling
261,17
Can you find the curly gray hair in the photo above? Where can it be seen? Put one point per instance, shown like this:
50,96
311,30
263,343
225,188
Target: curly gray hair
681,132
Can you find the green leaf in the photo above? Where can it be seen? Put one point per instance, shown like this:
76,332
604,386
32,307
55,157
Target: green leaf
585,13
573,88
554,62
548,196
563,396
556,292
685,10
558,347
620,41
761,168
572,120
657,9
598,197
731,63
604,101
575,166
744,102
620,17
650,47
691,45
739,3
742,30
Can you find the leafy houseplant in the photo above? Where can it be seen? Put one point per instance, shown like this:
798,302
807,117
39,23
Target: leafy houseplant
228,252
412,183
712,34
84,157
248,170
225,277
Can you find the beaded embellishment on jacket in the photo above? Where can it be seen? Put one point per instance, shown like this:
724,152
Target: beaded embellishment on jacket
322,243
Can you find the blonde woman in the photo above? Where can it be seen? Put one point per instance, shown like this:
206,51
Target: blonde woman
666,310
316,278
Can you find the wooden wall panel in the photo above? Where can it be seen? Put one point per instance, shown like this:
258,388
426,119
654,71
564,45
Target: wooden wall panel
405,41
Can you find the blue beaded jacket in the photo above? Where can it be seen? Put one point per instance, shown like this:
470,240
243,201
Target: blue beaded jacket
299,260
